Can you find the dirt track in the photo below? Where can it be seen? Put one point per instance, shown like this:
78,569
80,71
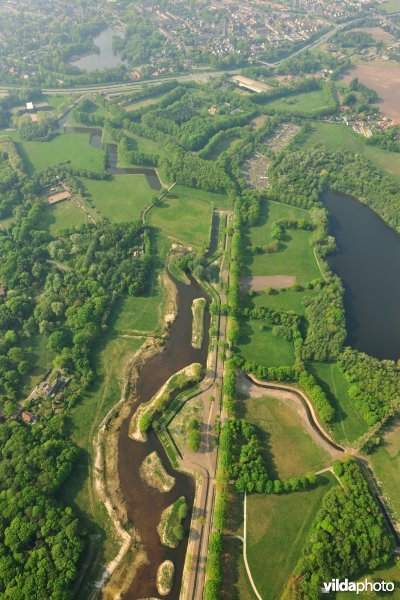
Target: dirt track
258,283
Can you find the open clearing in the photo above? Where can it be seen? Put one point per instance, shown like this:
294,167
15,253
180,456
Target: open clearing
258,283
62,215
348,424
296,258
183,220
120,199
386,463
384,78
220,201
278,527
73,148
286,300
289,449
342,138
259,345
305,103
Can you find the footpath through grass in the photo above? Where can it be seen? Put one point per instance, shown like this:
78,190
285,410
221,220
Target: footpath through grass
348,424
277,529
289,449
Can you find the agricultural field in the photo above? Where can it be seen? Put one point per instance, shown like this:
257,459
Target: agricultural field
339,137
276,532
386,464
121,198
183,219
305,103
296,258
259,345
289,449
62,215
220,201
71,147
348,424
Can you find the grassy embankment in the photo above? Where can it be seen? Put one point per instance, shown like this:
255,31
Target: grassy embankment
348,424
386,464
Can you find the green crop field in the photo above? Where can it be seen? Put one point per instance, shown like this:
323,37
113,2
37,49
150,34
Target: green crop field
295,258
349,424
220,201
121,198
259,345
386,464
182,219
277,529
340,137
62,215
289,449
306,102
72,147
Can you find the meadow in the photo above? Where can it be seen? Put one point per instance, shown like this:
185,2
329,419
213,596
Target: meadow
289,450
386,464
67,147
348,424
286,300
339,137
296,256
277,529
182,219
121,198
62,215
259,345
220,201
305,103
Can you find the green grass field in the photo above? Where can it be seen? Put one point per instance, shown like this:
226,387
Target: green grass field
62,215
264,348
120,199
306,103
391,573
224,145
386,463
40,358
286,300
73,147
295,258
276,532
390,6
289,449
220,201
340,137
182,219
349,424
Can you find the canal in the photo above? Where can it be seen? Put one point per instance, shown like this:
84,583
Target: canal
368,262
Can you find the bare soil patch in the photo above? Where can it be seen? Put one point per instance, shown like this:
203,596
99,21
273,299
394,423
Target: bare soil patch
384,78
258,283
380,35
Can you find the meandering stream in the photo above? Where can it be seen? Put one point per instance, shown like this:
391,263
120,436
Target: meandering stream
145,505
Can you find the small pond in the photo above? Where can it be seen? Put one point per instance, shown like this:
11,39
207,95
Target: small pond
106,58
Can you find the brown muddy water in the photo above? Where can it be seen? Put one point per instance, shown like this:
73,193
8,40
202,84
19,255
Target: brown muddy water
145,505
